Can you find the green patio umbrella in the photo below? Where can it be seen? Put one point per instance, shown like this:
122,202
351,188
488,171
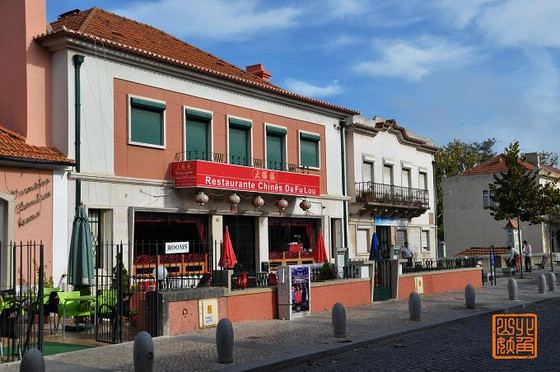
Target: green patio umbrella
80,262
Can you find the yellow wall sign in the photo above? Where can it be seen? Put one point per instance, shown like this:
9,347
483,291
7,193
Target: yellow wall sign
514,336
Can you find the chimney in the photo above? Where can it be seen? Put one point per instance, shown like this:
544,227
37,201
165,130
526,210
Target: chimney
533,158
259,71
25,75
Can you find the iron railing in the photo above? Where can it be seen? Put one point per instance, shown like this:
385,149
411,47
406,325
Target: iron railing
440,264
373,192
240,160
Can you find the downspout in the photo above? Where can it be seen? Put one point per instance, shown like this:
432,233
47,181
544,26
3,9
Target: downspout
344,191
78,60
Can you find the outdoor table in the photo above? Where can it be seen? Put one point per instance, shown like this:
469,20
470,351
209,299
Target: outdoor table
88,299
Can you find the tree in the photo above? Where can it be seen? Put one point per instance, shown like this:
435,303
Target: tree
456,157
517,192
548,158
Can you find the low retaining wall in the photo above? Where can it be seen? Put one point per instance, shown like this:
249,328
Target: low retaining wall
439,281
181,309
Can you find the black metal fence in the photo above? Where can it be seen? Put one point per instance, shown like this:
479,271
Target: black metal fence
440,264
22,280
390,194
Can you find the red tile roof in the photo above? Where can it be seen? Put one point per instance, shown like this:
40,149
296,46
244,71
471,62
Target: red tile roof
482,251
13,147
114,31
496,164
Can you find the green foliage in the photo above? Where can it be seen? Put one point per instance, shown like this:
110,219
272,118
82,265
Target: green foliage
456,157
517,192
125,278
548,158
326,272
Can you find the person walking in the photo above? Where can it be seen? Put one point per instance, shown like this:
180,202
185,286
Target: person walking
527,252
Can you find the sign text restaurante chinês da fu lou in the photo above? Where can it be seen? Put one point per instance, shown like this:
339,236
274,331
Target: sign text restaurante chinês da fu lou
197,173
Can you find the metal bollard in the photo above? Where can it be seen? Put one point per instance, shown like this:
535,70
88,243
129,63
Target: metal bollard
339,320
224,341
469,296
551,281
33,361
542,283
512,289
414,306
143,352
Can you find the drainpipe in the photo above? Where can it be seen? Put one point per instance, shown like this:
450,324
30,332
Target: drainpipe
344,192
78,60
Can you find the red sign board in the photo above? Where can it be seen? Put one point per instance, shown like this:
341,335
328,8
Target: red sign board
198,173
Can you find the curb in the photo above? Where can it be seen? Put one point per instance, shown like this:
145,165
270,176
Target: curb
281,363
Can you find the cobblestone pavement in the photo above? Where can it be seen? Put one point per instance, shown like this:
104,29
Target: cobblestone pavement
277,344
458,346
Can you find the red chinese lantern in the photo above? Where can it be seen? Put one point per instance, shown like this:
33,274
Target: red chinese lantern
201,198
282,204
234,199
305,205
258,201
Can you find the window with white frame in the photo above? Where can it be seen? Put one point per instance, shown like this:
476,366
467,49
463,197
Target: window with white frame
367,171
405,177
147,122
309,149
401,237
423,181
487,200
426,240
387,174
275,142
197,134
362,240
239,141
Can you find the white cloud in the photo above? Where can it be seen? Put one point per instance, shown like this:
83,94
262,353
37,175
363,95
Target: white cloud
214,19
523,23
543,93
460,14
302,87
416,59
345,8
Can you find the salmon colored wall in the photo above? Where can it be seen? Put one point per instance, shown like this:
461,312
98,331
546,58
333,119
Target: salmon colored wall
441,282
323,297
183,317
145,162
252,306
32,220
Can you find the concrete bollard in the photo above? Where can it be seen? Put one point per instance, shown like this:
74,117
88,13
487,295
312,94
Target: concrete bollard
541,283
551,281
512,289
339,320
143,352
469,296
414,306
224,341
33,361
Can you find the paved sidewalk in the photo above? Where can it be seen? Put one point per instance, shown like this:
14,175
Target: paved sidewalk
277,344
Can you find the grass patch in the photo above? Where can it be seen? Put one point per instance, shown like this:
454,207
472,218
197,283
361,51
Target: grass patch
51,348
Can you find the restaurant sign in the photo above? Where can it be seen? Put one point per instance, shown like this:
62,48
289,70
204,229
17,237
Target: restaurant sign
198,173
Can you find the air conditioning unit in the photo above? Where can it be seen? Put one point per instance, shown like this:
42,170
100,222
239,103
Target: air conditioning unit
208,312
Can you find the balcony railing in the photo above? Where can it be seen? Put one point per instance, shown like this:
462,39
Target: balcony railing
240,160
372,192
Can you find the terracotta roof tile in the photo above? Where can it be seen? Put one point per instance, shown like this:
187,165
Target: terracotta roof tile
122,33
496,164
13,147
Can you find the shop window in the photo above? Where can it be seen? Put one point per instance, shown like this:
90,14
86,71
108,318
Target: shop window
147,123
239,141
309,149
285,234
275,139
401,238
197,135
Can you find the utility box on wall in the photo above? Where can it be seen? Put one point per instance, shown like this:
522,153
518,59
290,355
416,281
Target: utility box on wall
208,312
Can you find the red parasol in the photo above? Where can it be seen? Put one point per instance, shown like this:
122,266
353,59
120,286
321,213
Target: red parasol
228,260
320,252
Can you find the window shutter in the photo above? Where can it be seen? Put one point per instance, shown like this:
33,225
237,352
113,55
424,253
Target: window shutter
197,138
146,125
367,171
238,149
274,151
309,153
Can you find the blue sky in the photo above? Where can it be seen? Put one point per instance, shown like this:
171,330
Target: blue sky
445,69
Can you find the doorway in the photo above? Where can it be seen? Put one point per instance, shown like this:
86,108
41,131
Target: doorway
242,231
384,238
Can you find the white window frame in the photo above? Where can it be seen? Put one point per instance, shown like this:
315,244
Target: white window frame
129,124
210,130
318,149
285,145
250,139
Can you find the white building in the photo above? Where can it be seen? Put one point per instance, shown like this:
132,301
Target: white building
391,182
467,219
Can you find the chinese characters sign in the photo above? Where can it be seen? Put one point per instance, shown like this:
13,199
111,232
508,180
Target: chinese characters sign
197,173
514,336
